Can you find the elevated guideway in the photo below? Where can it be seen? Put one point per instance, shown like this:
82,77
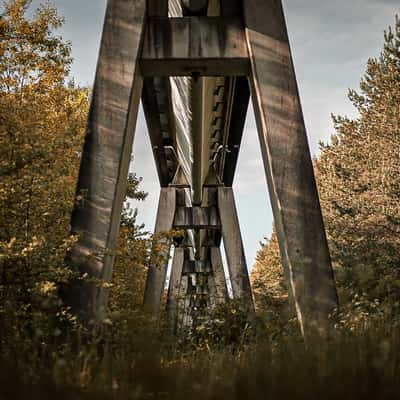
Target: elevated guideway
194,65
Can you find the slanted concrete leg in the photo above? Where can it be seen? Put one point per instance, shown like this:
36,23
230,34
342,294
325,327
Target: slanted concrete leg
218,274
157,273
212,292
174,287
234,246
106,155
288,165
184,318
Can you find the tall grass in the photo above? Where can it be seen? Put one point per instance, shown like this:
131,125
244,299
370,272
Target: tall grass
147,366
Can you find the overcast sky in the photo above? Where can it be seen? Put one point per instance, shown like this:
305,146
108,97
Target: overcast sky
331,41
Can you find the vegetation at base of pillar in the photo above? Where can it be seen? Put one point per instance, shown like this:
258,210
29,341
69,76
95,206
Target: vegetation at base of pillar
270,289
358,176
129,274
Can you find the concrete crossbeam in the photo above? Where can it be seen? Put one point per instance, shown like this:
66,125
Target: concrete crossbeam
152,111
213,46
197,266
240,104
156,110
197,218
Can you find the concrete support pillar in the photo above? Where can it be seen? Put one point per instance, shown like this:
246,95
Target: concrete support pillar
157,272
106,155
234,246
197,132
174,287
288,165
217,267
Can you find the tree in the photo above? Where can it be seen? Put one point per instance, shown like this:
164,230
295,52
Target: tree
130,269
358,176
267,278
359,181
42,124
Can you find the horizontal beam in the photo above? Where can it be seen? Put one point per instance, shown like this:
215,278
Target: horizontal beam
231,7
241,97
208,46
151,110
197,218
198,266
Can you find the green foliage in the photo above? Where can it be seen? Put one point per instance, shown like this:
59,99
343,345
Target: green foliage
360,367
130,268
227,327
359,184
269,287
42,123
132,190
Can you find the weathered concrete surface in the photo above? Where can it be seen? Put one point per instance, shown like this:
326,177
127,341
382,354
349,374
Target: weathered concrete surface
158,110
240,104
197,218
197,135
288,165
218,274
213,46
157,107
194,7
106,154
174,287
157,272
231,8
157,8
234,246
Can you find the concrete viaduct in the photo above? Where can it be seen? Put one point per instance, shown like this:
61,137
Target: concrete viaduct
195,65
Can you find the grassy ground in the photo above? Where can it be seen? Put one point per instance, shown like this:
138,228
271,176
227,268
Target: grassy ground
347,366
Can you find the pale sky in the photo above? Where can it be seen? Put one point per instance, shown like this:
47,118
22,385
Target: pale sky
331,41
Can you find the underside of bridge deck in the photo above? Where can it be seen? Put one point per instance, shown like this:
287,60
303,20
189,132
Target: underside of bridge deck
195,124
